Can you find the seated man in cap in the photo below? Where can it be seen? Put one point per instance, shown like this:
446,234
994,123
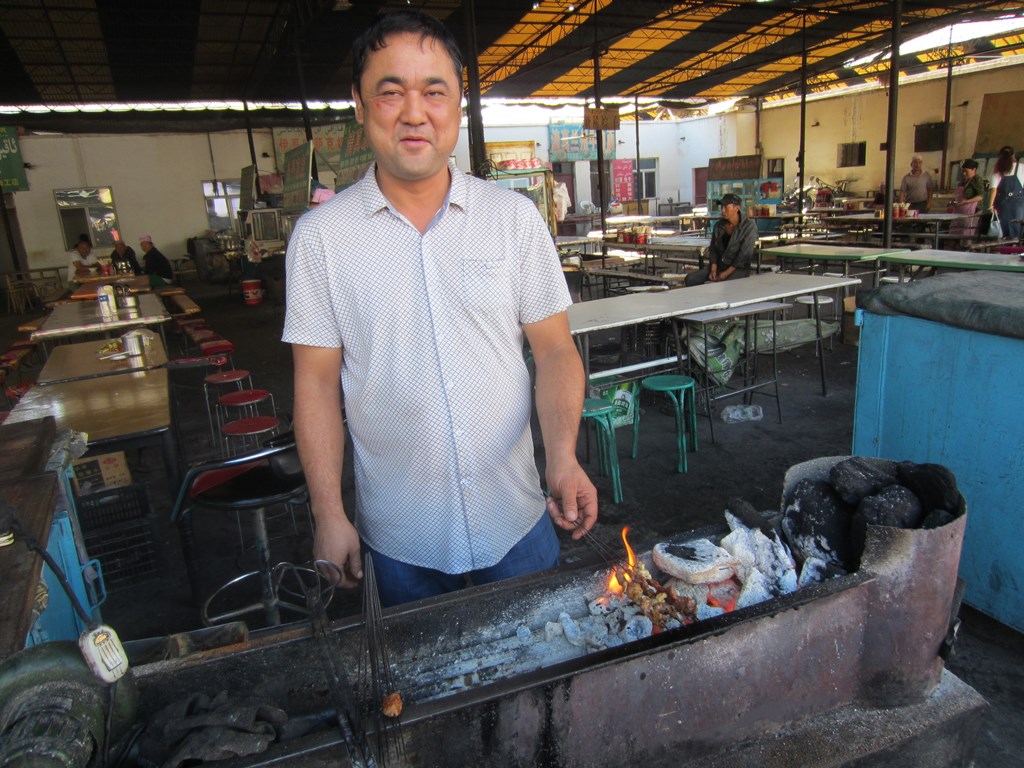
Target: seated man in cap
155,264
732,245
123,259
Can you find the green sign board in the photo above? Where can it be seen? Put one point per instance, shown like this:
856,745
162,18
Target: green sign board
12,167
340,148
569,142
297,165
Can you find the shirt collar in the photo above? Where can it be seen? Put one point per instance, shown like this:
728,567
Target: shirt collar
374,200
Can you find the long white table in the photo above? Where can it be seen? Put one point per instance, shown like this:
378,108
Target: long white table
930,257
589,317
82,318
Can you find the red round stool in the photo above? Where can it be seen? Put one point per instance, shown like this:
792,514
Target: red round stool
244,434
246,401
238,378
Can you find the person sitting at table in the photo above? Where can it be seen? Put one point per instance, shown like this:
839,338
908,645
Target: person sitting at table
123,258
155,264
732,245
82,259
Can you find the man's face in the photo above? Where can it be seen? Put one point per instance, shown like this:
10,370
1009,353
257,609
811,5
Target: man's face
84,249
729,210
119,246
915,166
409,104
145,245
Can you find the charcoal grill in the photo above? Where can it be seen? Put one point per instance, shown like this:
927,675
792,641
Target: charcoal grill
477,692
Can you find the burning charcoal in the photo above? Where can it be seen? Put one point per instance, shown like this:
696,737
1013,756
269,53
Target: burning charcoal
552,630
744,512
816,570
937,518
524,634
895,506
817,524
696,592
767,554
594,630
698,561
861,476
723,594
705,611
933,484
637,628
605,604
756,589
571,630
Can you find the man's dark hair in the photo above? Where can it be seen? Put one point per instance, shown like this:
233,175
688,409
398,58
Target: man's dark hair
374,37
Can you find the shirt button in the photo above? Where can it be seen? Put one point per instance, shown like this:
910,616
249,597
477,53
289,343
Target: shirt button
464,481
458,433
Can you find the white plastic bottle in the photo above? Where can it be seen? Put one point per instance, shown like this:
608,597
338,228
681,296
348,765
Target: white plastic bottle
105,297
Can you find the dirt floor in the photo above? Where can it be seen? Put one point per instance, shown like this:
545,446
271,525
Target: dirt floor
746,460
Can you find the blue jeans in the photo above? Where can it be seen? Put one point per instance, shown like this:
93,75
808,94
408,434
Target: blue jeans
399,582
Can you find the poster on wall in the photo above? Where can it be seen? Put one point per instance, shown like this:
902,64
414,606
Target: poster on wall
623,180
297,164
569,142
340,148
12,167
738,167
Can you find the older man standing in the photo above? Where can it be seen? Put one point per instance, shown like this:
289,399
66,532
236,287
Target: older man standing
917,186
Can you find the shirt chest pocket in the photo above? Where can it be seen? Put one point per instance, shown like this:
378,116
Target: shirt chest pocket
486,285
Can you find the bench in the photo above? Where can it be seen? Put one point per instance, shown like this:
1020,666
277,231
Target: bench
184,304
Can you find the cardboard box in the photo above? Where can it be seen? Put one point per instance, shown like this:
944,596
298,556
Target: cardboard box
94,473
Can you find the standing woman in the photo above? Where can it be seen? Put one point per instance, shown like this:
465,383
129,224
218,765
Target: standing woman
1006,192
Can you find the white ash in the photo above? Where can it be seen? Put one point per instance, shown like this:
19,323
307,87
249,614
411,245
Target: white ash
755,551
814,571
698,561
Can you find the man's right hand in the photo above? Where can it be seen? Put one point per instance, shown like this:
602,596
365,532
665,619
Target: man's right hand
337,541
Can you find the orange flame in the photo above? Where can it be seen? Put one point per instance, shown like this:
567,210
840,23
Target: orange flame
630,555
614,585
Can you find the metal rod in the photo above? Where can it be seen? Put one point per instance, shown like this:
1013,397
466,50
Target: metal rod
890,131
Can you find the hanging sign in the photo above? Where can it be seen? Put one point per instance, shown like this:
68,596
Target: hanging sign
569,142
623,186
247,193
340,148
12,167
600,119
297,164
739,167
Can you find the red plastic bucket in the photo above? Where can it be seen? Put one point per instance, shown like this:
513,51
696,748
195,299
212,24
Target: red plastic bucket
252,292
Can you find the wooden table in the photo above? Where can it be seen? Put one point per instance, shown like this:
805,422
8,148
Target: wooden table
83,318
76,362
135,284
130,408
825,253
930,257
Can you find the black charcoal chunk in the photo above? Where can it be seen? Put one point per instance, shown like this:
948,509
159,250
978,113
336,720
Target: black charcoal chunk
895,506
933,484
861,476
817,524
747,514
937,518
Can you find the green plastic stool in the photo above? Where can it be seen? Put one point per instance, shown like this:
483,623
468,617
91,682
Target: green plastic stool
682,390
600,412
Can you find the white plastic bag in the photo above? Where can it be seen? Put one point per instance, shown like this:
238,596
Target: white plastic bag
995,229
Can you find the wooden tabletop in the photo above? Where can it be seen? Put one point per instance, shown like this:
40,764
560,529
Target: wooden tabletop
34,499
135,284
84,317
112,408
72,362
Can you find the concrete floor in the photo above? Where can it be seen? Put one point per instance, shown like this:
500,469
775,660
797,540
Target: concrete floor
747,460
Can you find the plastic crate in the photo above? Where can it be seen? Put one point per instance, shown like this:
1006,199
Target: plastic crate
118,531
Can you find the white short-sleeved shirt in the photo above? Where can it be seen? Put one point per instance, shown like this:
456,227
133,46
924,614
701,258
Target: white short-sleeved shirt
437,395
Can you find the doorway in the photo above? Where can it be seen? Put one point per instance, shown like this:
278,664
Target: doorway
700,186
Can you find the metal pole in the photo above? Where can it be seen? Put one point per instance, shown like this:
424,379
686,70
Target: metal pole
601,180
305,112
890,132
475,122
803,130
248,132
636,179
949,97
15,256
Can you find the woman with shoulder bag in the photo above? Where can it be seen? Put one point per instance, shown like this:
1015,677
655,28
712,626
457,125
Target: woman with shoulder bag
1006,192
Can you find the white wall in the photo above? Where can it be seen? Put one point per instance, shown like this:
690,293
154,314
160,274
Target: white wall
156,180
